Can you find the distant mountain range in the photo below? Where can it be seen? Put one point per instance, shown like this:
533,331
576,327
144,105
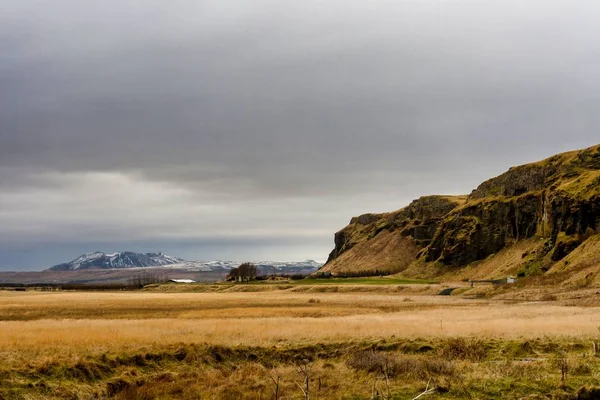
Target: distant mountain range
127,259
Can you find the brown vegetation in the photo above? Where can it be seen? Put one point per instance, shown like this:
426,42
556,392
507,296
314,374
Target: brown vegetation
236,345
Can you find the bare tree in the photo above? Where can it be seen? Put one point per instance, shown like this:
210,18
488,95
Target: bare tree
276,388
563,364
305,369
374,391
386,375
427,391
145,278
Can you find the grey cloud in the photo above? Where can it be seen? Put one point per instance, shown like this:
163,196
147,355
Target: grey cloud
349,105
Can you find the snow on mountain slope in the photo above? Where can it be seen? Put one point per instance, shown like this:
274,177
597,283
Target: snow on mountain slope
125,259
99,260
264,267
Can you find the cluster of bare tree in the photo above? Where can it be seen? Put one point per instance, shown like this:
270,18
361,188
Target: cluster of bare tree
305,369
246,272
145,278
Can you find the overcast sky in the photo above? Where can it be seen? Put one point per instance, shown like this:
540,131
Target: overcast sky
250,130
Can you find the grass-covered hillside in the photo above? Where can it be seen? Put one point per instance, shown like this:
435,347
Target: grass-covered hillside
524,222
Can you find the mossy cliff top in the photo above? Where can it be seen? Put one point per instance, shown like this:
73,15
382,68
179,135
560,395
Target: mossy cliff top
559,171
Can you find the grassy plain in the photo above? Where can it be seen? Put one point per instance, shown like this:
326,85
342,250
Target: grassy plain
361,281
229,344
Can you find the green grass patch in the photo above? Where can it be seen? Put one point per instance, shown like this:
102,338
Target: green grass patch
361,281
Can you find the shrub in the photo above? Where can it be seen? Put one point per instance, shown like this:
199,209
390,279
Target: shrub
549,297
367,361
413,367
298,277
362,274
582,370
462,349
588,394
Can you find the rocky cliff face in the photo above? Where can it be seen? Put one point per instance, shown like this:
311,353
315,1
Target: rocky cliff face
557,200
389,242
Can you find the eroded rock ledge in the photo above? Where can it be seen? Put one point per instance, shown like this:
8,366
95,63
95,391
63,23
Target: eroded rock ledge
557,200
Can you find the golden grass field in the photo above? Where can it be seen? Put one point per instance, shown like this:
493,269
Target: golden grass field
229,344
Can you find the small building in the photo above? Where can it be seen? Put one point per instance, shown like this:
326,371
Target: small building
508,279
181,281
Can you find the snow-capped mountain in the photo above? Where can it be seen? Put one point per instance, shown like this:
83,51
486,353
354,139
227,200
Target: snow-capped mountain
264,267
125,259
274,267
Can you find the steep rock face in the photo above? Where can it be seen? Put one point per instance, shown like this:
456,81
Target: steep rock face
479,229
518,180
391,241
556,200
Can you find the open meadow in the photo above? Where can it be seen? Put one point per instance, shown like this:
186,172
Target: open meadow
364,343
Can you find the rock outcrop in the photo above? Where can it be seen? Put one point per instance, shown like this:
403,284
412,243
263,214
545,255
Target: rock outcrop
556,200
385,243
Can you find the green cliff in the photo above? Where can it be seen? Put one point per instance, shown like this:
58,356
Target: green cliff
553,204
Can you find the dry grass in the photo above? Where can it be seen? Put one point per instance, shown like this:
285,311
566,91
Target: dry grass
582,264
388,251
97,322
108,335
227,345
507,262
149,305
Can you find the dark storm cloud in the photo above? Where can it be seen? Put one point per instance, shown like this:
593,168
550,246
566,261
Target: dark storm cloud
318,110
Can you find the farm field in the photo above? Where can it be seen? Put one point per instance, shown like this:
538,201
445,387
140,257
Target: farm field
359,344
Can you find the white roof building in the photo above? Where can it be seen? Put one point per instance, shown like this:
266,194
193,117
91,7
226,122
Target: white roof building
182,281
